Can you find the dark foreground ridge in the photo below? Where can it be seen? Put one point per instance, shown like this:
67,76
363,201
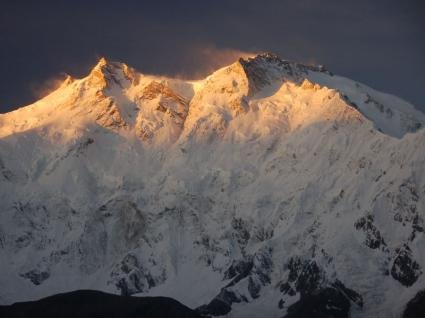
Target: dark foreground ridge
90,303
416,306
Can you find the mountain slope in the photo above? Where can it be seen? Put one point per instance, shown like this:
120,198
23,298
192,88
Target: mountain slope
265,186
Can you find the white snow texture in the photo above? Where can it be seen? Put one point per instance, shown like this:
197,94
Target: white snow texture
261,183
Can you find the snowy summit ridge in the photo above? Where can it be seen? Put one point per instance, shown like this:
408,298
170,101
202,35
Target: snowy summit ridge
264,187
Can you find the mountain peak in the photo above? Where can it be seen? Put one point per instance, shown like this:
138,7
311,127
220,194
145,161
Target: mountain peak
106,73
68,80
273,58
266,56
102,61
232,90
267,68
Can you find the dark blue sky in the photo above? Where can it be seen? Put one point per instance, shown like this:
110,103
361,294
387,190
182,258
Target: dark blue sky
380,43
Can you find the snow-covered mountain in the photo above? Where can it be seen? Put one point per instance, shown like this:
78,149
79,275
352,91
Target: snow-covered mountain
258,191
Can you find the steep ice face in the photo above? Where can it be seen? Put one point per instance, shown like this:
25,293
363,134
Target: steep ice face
389,114
266,186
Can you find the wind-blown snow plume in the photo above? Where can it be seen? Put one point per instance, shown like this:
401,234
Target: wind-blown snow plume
266,188
202,60
40,90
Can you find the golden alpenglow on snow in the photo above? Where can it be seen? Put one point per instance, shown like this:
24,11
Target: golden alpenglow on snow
203,159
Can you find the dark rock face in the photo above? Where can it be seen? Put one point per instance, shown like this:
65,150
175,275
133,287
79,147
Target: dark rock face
239,269
318,297
349,293
89,304
241,233
82,146
416,306
255,268
36,276
130,277
220,305
407,208
304,277
405,269
324,303
388,112
258,70
348,101
374,238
